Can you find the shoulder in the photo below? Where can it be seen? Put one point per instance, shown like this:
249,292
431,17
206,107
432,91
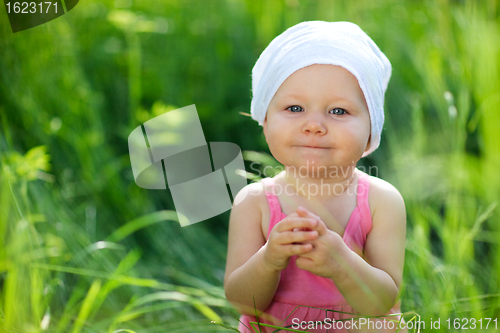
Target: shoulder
385,244
245,235
250,205
383,195
251,195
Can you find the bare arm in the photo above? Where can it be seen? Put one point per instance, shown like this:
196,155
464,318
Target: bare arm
371,284
246,277
253,266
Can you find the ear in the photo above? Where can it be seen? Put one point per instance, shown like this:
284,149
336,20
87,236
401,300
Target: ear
264,126
368,144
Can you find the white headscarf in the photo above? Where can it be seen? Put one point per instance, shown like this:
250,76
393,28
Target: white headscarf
317,42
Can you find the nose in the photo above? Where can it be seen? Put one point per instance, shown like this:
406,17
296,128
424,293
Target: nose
314,125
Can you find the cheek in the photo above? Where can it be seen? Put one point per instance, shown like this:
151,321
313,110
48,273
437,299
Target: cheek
359,132
273,141
364,126
276,146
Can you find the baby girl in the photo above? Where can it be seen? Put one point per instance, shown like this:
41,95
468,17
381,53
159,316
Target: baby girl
320,246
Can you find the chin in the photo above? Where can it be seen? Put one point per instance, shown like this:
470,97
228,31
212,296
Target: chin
311,169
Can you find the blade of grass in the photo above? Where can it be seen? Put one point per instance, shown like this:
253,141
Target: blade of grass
86,308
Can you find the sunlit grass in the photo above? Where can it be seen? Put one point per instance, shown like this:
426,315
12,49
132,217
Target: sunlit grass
40,267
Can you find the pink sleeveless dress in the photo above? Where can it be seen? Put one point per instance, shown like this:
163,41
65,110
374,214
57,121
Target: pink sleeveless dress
300,287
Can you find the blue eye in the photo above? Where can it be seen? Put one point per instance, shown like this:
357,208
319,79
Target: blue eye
338,111
295,108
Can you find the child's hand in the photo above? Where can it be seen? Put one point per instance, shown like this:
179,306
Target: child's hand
323,259
284,242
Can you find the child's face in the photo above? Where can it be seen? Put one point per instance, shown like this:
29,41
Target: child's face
318,117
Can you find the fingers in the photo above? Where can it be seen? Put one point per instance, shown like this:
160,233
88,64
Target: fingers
296,249
301,211
295,237
291,223
320,225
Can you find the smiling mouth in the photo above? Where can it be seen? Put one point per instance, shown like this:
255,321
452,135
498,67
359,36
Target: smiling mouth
314,147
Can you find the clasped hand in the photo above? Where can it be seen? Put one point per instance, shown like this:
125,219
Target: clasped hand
304,234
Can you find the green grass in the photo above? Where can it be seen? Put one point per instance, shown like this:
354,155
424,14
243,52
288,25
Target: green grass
83,249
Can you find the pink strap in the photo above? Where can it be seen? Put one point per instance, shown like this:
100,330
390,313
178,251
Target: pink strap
274,204
363,206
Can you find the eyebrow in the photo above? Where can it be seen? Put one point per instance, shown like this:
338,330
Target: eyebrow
300,96
292,95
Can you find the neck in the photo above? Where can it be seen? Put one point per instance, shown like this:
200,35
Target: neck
325,187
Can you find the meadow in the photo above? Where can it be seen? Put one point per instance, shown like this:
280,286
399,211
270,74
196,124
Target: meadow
84,249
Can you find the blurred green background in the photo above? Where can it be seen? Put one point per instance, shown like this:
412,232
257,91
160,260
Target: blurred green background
84,249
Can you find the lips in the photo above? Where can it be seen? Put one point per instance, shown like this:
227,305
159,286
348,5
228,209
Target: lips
314,147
